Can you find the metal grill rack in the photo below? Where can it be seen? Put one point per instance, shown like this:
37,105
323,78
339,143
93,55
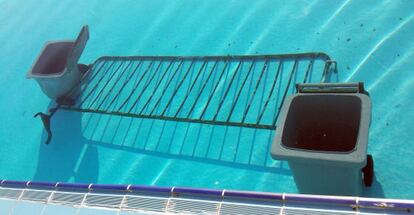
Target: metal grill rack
245,91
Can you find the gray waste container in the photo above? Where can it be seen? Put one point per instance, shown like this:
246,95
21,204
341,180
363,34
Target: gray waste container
323,134
56,69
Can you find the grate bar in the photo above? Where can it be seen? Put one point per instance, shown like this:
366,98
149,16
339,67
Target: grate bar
113,86
145,88
191,88
178,87
106,84
270,93
227,90
89,80
156,88
169,118
125,84
239,92
96,85
310,67
136,86
255,91
214,89
286,91
309,55
166,87
202,88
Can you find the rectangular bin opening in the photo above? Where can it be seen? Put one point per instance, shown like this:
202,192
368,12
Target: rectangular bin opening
53,58
323,123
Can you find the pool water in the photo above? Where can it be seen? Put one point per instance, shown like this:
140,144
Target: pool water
372,42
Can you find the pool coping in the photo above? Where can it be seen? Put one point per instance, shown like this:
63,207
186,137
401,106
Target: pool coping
347,203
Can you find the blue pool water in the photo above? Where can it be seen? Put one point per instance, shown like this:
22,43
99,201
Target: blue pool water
372,42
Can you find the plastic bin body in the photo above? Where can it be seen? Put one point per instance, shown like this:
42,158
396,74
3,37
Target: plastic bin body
324,179
50,71
56,69
324,138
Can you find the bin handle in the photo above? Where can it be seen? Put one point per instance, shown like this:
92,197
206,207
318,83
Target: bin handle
357,87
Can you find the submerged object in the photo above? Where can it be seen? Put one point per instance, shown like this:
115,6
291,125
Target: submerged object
211,90
58,73
323,134
56,70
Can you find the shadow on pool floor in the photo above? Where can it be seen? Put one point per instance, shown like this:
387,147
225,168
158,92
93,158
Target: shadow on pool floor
73,153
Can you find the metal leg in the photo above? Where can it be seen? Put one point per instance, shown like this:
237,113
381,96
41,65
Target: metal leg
46,122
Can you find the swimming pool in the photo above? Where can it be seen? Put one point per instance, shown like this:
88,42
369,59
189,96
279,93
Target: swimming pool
371,42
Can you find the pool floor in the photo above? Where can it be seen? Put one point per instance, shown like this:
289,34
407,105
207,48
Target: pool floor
372,42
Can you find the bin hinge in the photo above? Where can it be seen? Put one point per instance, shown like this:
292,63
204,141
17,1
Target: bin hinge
357,87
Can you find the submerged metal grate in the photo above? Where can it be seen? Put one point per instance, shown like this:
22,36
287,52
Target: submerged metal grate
246,91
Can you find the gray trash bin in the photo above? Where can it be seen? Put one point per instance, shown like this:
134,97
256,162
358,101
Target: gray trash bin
323,134
56,69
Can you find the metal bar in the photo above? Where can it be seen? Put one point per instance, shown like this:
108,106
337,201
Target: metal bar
214,89
310,67
86,75
239,92
136,85
212,122
113,86
270,93
202,88
166,87
307,55
96,85
191,88
246,111
177,88
104,86
326,70
156,87
149,67
286,91
125,83
227,90
145,87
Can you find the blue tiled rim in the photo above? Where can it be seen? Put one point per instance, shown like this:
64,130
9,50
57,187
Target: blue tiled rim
352,202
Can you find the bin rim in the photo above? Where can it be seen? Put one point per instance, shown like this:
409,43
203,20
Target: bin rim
31,75
357,156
